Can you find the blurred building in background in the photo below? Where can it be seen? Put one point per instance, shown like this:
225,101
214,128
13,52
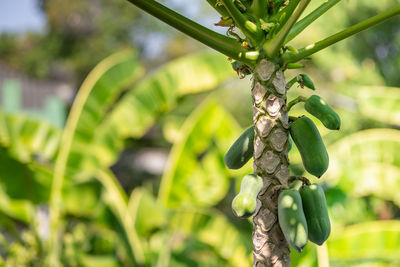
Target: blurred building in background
44,99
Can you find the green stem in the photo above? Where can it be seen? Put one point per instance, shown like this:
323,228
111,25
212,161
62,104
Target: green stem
219,8
248,28
291,82
315,47
283,16
310,18
118,201
272,46
219,42
259,8
60,164
295,101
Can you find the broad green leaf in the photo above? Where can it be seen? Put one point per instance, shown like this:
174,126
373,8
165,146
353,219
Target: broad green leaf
99,261
380,103
367,162
27,138
156,94
212,228
20,209
24,181
147,213
116,199
196,174
82,199
97,96
377,241
98,92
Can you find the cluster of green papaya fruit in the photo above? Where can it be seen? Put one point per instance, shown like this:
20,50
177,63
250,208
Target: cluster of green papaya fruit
303,132
302,211
303,216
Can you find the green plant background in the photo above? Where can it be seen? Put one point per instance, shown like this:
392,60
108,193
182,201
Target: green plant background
193,107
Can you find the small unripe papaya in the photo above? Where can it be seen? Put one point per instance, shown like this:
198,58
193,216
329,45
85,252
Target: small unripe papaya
311,147
317,107
316,212
291,219
245,203
306,81
241,151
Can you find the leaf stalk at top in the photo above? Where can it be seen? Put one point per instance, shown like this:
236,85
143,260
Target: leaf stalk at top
219,8
310,18
315,47
249,28
227,46
273,45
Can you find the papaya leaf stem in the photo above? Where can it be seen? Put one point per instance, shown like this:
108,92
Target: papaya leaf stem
219,8
223,44
259,8
291,82
273,45
310,18
249,28
315,47
295,101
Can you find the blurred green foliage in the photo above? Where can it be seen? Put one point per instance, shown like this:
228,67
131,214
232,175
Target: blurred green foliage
194,107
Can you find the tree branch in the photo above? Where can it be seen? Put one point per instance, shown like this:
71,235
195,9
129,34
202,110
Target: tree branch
315,47
248,28
310,18
225,45
273,45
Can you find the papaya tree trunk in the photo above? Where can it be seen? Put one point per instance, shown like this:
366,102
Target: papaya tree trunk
270,162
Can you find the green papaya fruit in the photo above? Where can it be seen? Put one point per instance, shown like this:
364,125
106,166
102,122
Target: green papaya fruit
306,81
317,107
316,212
244,204
241,151
291,219
310,145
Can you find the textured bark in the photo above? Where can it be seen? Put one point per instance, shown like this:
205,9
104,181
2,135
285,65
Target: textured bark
270,162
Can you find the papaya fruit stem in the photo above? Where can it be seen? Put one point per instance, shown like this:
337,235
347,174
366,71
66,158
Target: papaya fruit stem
295,101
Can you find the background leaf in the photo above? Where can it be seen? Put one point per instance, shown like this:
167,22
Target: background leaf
367,162
196,174
367,243
156,94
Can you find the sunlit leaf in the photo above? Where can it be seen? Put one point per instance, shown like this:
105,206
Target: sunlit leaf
98,94
380,103
212,228
196,173
147,213
82,199
27,138
20,209
99,261
116,198
376,241
156,94
367,162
